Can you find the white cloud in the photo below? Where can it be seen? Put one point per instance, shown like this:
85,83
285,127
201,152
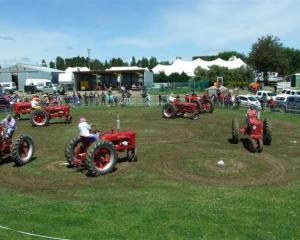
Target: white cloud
31,45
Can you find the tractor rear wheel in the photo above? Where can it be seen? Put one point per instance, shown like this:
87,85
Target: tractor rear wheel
267,132
169,110
39,118
101,158
208,105
132,155
260,145
235,131
252,145
23,149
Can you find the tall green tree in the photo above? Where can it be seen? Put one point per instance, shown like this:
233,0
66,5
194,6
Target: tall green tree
133,62
60,63
51,64
267,55
293,57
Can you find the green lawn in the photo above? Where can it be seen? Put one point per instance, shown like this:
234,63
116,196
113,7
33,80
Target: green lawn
174,191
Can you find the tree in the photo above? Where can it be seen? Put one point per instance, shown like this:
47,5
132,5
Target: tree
267,55
152,62
60,63
161,77
51,64
44,64
133,62
293,57
96,65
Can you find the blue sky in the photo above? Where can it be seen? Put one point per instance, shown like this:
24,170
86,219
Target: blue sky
34,30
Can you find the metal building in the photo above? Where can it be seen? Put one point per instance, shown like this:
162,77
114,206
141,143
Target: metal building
20,72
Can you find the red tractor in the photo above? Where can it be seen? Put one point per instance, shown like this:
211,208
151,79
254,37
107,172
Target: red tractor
260,133
100,157
41,117
177,108
207,104
21,151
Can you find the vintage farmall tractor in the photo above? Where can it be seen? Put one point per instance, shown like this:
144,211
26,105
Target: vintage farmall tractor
41,117
207,104
21,151
101,156
259,132
177,108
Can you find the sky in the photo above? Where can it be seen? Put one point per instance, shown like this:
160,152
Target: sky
32,30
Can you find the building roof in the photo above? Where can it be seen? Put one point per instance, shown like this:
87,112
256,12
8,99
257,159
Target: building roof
189,67
26,67
126,69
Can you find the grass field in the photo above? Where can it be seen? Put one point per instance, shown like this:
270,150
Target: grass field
174,191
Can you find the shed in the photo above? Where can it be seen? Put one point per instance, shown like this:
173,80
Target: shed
20,72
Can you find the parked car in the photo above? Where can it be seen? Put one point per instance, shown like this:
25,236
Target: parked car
49,89
290,92
266,94
9,87
291,104
247,100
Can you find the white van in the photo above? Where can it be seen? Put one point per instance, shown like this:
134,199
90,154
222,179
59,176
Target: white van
8,86
39,83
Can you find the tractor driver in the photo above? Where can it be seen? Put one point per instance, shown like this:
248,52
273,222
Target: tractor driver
10,124
251,114
87,131
35,103
172,98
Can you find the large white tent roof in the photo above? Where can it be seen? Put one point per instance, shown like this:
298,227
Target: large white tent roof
189,67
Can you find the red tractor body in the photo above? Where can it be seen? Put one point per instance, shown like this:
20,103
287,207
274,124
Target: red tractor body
207,104
177,108
100,156
41,117
260,133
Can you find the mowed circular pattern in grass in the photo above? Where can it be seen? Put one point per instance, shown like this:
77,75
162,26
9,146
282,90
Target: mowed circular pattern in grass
168,149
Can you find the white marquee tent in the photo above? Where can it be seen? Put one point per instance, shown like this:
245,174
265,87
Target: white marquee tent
189,67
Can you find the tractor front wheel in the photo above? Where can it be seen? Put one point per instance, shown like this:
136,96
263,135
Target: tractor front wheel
101,158
23,149
17,116
169,110
267,132
252,145
68,119
260,145
39,118
235,130
132,155
195,116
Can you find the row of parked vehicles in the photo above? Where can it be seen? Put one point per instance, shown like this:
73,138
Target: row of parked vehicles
286,101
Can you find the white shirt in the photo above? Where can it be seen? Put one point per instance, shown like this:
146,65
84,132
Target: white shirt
84,129
172,99
12,124
34,103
